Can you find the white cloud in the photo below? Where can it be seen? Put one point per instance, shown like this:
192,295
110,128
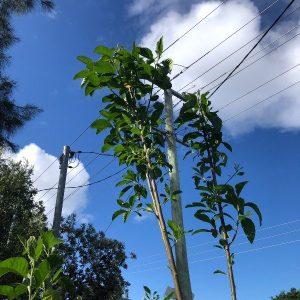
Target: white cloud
40,160
151,7
282,111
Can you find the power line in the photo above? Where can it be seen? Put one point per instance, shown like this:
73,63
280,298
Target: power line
210,243
194,26
228,37
256,88
252,49
261,101
244,68
240,48
54,188
88,184
213,250
222,256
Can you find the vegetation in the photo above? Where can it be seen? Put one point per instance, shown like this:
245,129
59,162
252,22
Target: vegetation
13,116
221,207
132,121
21,216
39,269
92,262
293,294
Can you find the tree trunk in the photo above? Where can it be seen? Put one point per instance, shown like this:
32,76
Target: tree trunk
164,234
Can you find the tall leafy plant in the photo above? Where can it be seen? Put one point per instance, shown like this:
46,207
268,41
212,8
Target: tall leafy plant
132,126
221,207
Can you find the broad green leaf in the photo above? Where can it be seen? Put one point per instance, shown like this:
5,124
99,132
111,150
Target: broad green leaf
240,186
202,217
38,249
82,74
102,50
20,289
147,290
100,125
16,265
50,240
147,53
118,213
7,290
249,229
84,59
42,272
159,47
256,209
104,67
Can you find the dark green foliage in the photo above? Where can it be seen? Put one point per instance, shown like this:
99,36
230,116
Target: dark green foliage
293,294
92,262
21,216
12,116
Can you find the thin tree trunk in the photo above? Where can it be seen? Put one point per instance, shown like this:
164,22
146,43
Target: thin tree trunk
225,235
164,234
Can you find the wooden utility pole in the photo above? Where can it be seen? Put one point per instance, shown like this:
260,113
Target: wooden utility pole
180,246
63,161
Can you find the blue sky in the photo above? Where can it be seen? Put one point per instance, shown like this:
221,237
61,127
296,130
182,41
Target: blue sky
43,65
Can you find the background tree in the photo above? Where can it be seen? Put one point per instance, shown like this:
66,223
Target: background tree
293,294
12,116
21,216
92,262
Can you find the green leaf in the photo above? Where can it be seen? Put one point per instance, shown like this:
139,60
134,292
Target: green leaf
104,67
8,291
20,289
42,272
219,272
84,59
106,147
159,47
82,74
38,249
100,125
16,265
240,186
147,290
256,209
145,52
249,229
118,213
202,217
102,50
227,146
50,240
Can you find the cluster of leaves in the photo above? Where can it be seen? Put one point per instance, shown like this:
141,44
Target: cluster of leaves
155,296
131,116
221,206
39,269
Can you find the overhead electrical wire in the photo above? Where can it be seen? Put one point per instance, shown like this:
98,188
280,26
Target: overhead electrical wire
222,256
252,49
194,26
239,235
240,48
224,40
214,250
262,101
244,68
